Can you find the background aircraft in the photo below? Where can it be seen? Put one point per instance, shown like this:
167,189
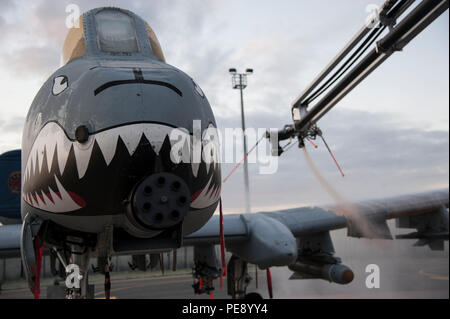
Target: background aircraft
10,188
59,152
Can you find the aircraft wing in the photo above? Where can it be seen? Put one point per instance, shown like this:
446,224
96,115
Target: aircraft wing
264,238
259,236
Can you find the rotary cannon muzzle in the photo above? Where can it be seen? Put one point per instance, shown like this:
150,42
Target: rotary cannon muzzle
160,201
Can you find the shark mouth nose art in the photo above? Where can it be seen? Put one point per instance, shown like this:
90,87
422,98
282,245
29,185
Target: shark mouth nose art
62,175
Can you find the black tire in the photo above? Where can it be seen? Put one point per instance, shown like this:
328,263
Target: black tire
140,262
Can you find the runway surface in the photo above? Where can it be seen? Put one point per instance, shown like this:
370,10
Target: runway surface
401,277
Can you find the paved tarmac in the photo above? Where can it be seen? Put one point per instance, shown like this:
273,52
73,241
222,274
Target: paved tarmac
411,277
405,272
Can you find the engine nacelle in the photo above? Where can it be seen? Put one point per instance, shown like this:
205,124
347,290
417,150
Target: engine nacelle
270,243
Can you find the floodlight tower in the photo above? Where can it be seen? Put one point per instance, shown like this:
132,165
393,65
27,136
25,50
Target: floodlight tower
239,81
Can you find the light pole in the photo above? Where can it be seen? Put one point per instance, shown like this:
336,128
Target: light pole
239,81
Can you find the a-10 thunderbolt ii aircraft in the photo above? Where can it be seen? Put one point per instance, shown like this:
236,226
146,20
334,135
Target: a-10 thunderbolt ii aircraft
100,177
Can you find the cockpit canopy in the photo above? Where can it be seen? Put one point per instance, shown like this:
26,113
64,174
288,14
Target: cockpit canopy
116,33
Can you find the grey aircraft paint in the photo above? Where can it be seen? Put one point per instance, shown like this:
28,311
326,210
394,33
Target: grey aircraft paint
129,104
96,150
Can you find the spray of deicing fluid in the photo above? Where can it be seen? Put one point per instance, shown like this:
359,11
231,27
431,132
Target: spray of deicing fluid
343,208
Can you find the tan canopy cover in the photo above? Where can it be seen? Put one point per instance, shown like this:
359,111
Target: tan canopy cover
75,46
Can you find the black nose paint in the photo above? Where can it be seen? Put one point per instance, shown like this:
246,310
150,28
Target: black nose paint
82,134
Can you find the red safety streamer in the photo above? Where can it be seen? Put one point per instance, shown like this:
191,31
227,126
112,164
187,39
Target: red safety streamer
235,168
37,280
312,143
242,161
107,282
332,156
269,283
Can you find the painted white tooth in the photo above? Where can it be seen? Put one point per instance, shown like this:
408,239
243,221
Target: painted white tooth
48,139
27,198
194,157
131,135
53,133
195,167
208,165
211,193
37,163
31,168
37,148
50,150
42,204
54,207
218,193
57,206
40,154
67,203
107,141
27,168
82,158
63,148
51,205
212,196
47,198
35,199
156,134
202,200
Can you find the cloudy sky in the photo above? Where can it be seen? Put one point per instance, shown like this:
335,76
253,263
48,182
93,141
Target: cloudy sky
391,134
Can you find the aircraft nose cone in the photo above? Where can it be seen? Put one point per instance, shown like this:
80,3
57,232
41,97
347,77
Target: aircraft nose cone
160,201
348,276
